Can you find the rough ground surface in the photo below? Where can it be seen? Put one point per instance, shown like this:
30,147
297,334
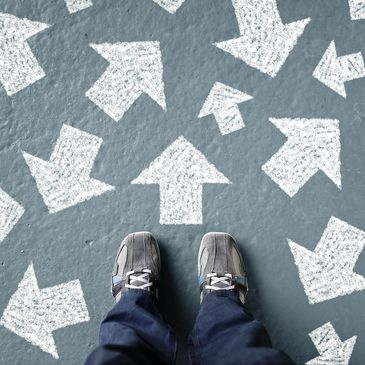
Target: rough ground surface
80,242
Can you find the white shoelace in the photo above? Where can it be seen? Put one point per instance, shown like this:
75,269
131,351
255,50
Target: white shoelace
141,277
226,280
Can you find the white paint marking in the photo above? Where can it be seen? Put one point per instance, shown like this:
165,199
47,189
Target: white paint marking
34,313
19,68
264,42
180,171
357,9
10,213
327,272
65,180
76,5
312,145
170,5
222,103
330,347
135,68
334,71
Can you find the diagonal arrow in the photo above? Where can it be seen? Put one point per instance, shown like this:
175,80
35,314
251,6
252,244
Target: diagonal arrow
312,145
19,67
334,71
328,271
265,42
10,213
357,9
170,5
222,103
74,6
135,68
34,313
180,171
330,347
65,180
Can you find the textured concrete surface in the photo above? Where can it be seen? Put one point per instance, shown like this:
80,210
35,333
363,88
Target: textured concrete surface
80,242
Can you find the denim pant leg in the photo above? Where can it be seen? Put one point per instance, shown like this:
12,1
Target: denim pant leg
134,332
224,333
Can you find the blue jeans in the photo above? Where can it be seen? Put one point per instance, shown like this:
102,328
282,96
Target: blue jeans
134,332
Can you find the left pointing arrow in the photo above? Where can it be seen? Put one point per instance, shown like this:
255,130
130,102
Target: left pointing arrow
222,103
65,180
135,68
181,170
34,313
19,67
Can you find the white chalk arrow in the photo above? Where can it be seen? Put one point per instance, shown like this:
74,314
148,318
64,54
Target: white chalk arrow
180,171
135,68
10,213
170,5
357,9
18,66
327,272
265,42
312,145
74,6
222,103
330,347
34,313
65,180
334,71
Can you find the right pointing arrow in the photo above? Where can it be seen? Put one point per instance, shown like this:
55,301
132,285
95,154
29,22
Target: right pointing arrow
312,145
328,271
330,347
334,71
65,180
181,170
222,103
265,42
135,68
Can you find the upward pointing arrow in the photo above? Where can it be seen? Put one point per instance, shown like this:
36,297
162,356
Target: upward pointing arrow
334,71
34,313
65,180
181,170
19,67
222,102
135,68
265,42
332,350
313,145
170,5
328,271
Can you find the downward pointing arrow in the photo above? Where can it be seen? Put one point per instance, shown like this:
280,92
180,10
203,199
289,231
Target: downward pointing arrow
170,5
357,9
265,42
135,68
222,102
34,313
334,71
65,180
19,67
313,145
327,272
181,170
76,5
332,350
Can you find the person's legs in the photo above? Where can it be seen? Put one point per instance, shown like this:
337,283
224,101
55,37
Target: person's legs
224,333
134,331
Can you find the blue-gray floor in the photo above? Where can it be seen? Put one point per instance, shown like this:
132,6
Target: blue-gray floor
80,242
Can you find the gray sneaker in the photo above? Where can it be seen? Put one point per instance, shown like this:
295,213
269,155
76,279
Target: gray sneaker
220,265
137,265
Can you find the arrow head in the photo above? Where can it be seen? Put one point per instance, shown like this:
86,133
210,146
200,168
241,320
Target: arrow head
327,272
74,6
332,350
357,9
170,5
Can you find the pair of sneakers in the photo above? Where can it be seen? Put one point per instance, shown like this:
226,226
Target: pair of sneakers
220,265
